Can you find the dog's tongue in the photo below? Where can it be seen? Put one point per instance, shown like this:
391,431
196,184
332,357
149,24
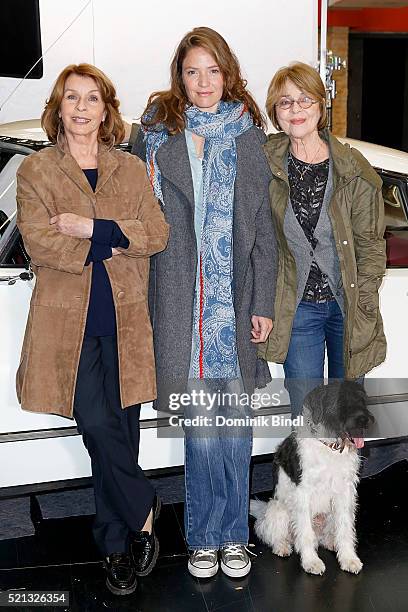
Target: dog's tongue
358,442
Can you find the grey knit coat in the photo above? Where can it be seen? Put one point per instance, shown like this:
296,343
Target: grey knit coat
173,272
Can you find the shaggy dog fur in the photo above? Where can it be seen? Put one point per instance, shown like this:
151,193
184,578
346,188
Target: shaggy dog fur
315,496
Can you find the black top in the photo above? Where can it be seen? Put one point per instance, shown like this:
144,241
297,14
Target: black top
307,184
101,319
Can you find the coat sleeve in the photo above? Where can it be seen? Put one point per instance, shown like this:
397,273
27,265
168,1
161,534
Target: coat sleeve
46,246
264,263
148,234
369,244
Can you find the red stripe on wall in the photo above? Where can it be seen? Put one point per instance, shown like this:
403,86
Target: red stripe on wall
370,19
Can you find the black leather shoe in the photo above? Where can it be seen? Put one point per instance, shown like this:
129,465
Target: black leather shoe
144,547
145,550
121,575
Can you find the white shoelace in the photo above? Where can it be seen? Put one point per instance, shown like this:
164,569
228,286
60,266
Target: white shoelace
236,550
202,552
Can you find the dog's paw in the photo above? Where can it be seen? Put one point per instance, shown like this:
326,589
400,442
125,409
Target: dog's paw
351,564
314,566
283,550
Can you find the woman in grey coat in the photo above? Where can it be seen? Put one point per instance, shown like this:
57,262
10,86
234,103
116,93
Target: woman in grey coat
212,289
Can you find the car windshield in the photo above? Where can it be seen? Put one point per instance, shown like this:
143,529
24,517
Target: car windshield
8,197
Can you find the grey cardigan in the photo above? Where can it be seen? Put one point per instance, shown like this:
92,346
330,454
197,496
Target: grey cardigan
325,252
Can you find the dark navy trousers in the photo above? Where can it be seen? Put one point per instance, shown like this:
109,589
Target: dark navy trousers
123,494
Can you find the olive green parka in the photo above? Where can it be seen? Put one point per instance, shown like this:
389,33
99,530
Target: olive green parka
356,212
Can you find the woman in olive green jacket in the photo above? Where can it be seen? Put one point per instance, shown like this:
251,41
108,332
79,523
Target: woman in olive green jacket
329,216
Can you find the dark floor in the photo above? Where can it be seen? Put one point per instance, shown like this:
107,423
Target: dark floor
61,555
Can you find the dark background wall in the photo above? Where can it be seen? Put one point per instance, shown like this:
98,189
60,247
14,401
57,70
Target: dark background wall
377,79
20,38
378,89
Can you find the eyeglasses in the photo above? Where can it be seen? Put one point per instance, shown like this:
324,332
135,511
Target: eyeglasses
287,103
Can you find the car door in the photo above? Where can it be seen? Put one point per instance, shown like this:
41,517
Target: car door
34,447
388,383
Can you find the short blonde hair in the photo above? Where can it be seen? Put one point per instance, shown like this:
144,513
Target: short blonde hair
113,124
305,78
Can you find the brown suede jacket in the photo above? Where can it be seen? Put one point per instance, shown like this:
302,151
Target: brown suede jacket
50,182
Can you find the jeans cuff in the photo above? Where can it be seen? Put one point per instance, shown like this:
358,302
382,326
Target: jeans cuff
207,547
234,543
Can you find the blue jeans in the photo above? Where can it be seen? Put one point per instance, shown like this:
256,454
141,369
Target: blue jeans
316,328
217,462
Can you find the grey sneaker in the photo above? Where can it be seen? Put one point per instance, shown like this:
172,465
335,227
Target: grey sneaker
203,563
235,562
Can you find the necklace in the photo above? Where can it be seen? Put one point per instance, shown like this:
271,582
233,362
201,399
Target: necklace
307,165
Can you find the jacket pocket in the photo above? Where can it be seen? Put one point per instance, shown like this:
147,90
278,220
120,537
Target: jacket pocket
365,326
369,301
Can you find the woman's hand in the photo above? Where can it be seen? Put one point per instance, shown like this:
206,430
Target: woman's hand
73,225
261,328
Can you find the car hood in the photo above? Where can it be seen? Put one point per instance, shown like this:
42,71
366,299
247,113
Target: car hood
30,129
380,157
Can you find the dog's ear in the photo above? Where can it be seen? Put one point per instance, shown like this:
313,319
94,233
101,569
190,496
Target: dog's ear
353,409
288,458
351,389
360,392
350,396
314,403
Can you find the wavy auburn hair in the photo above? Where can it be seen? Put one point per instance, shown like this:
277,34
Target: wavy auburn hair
167,107
307,79
113,124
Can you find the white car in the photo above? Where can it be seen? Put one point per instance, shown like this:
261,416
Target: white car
39,451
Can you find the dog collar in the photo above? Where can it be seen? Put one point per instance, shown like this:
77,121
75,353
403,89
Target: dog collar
339,445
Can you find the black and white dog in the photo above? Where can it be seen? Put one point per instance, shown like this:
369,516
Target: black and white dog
315,495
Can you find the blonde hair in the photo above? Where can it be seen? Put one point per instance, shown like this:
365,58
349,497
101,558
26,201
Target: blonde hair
167,107
111,126
305,78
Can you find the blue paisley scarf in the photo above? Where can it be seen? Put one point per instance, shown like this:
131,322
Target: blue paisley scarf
214,330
